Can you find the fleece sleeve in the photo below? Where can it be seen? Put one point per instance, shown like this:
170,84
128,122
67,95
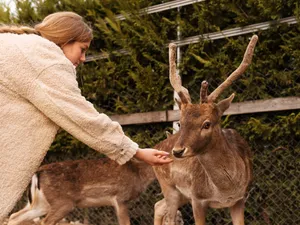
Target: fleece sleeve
56,94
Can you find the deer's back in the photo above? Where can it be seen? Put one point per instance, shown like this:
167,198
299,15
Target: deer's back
82,180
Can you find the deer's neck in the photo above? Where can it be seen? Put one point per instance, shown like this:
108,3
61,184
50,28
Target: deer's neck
218,143
219,152
222,164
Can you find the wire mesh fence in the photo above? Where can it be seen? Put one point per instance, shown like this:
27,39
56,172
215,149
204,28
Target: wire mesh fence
274,138
273,196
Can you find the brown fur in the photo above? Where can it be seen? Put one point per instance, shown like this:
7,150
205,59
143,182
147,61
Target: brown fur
78,176
215,170
85,183
212,166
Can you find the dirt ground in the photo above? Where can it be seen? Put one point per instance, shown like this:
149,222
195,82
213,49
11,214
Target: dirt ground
179,221
38,223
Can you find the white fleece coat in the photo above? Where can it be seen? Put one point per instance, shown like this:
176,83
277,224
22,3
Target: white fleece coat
38,95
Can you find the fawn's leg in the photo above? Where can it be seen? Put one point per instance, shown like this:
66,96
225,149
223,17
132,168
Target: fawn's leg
199,212
237,212
24,215
160,210
122,213
57,213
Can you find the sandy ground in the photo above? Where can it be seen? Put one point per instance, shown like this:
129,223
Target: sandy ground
38,223
179,221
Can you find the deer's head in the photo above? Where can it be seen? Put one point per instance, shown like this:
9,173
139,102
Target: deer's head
200,123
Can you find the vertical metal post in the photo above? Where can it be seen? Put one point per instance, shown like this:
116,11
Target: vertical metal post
178,58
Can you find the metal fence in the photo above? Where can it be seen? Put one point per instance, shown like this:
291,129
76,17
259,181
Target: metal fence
273,196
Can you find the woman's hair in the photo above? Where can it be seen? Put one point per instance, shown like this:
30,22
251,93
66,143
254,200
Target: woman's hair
60,28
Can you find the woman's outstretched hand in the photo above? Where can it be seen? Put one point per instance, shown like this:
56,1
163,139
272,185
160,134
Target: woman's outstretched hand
153,157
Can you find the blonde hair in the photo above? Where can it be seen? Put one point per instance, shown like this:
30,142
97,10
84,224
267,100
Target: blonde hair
60,28
17,29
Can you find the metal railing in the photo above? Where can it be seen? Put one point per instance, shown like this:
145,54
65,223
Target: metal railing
213,36
163,7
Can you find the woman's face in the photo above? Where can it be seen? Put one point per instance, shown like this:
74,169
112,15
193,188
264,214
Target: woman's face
75,51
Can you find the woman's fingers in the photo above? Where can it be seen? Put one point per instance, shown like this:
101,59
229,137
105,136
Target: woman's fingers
163,157
162,153
153,157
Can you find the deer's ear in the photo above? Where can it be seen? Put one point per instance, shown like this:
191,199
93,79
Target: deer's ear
178,101
224,104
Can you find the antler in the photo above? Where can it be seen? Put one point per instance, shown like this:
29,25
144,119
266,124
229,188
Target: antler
203,92
239,71
175,79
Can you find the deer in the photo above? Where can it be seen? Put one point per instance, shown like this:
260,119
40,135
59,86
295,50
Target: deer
212,167
57,188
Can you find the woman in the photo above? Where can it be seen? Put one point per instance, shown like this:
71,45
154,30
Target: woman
39,94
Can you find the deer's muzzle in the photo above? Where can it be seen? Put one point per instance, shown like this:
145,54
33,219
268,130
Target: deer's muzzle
178,153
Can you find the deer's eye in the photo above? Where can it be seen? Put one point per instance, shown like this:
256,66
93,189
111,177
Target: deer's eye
178,124
206,125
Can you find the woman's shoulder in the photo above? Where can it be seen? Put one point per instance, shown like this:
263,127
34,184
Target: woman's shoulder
41,52
38,45
25,40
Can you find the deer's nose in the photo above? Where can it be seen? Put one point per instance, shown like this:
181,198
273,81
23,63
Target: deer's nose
178,153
